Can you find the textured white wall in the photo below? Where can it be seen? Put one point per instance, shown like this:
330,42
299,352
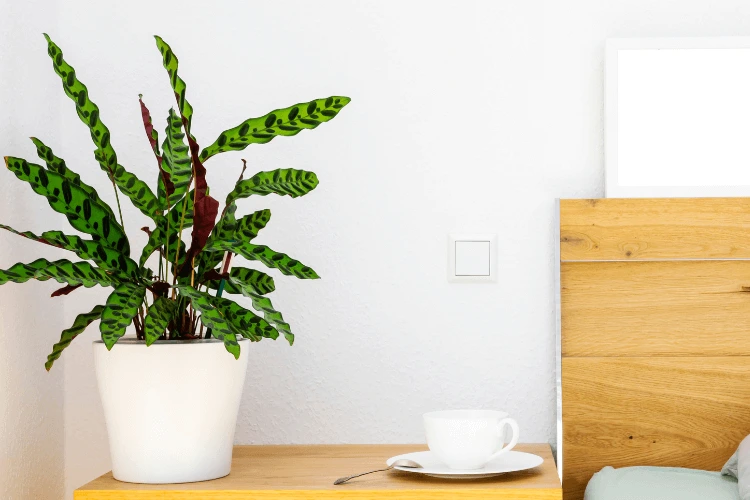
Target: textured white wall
466,116
31,400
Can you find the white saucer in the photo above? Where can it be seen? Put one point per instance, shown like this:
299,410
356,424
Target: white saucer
510,462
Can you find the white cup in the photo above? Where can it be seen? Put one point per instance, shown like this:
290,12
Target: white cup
468,439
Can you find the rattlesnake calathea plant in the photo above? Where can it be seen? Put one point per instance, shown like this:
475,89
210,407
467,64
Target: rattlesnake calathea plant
182,299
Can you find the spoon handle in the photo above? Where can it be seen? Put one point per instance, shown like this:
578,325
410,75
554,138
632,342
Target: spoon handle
342,480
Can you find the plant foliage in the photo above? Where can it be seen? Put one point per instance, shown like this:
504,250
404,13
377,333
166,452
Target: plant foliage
192,240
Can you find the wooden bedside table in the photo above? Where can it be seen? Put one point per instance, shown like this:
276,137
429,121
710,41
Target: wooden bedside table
308,472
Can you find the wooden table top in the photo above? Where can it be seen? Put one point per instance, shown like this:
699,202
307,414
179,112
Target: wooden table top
308,472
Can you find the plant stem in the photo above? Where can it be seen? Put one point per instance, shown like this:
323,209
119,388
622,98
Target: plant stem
177,251
117,197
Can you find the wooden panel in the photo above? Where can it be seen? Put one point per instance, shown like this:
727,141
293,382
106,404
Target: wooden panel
680,412
654,229
308,472
655,308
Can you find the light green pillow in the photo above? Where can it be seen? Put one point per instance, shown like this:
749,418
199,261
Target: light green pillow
660,483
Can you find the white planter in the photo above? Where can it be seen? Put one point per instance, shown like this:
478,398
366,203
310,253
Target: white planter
170,408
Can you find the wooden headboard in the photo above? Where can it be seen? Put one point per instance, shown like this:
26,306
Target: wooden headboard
654,333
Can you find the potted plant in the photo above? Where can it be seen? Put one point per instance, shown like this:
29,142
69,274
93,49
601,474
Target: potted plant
170,408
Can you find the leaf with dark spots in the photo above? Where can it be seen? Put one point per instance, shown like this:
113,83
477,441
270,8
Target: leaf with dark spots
270,258
89,114
67,336
159,315
286,181
62,271
285,122
93,210
122,306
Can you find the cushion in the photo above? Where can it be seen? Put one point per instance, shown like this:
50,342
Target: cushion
661,483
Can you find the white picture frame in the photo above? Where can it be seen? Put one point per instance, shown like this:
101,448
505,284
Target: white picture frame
677,117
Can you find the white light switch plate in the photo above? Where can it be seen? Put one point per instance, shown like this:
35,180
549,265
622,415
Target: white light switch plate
472,258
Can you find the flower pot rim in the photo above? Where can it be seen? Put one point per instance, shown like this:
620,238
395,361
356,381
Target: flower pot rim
132,341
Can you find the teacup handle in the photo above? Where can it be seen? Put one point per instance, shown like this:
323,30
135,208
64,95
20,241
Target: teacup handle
513,440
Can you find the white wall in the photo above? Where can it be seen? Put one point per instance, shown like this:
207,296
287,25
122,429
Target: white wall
31,400
466,116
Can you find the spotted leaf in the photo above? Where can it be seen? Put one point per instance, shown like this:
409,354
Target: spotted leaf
167,232
27,234
56,164
70,200
122,306
271,258
105,257
254,284
161,312
214,318
250,325
138,192
284,181
170,62
176,158
287,121
274,317
244,281
67,336
62,271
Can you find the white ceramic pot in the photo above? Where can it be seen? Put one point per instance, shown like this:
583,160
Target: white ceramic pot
171,408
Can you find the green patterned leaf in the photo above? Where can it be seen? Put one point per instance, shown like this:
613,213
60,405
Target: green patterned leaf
263,304
105,257
70,200
67,336
249,226
169,225
56,164
122,306
138,192
283,181
62,271
211,316
249,324
230,229
161,312
27,234
271,258
176,158
170,62
254,284
287,121
243,281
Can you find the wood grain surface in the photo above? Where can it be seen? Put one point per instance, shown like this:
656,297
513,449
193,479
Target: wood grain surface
680,412
680,308
655,229
308,472
655,333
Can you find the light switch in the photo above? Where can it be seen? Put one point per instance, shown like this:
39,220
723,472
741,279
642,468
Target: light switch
471,257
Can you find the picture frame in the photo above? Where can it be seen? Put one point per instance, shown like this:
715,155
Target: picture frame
677,117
